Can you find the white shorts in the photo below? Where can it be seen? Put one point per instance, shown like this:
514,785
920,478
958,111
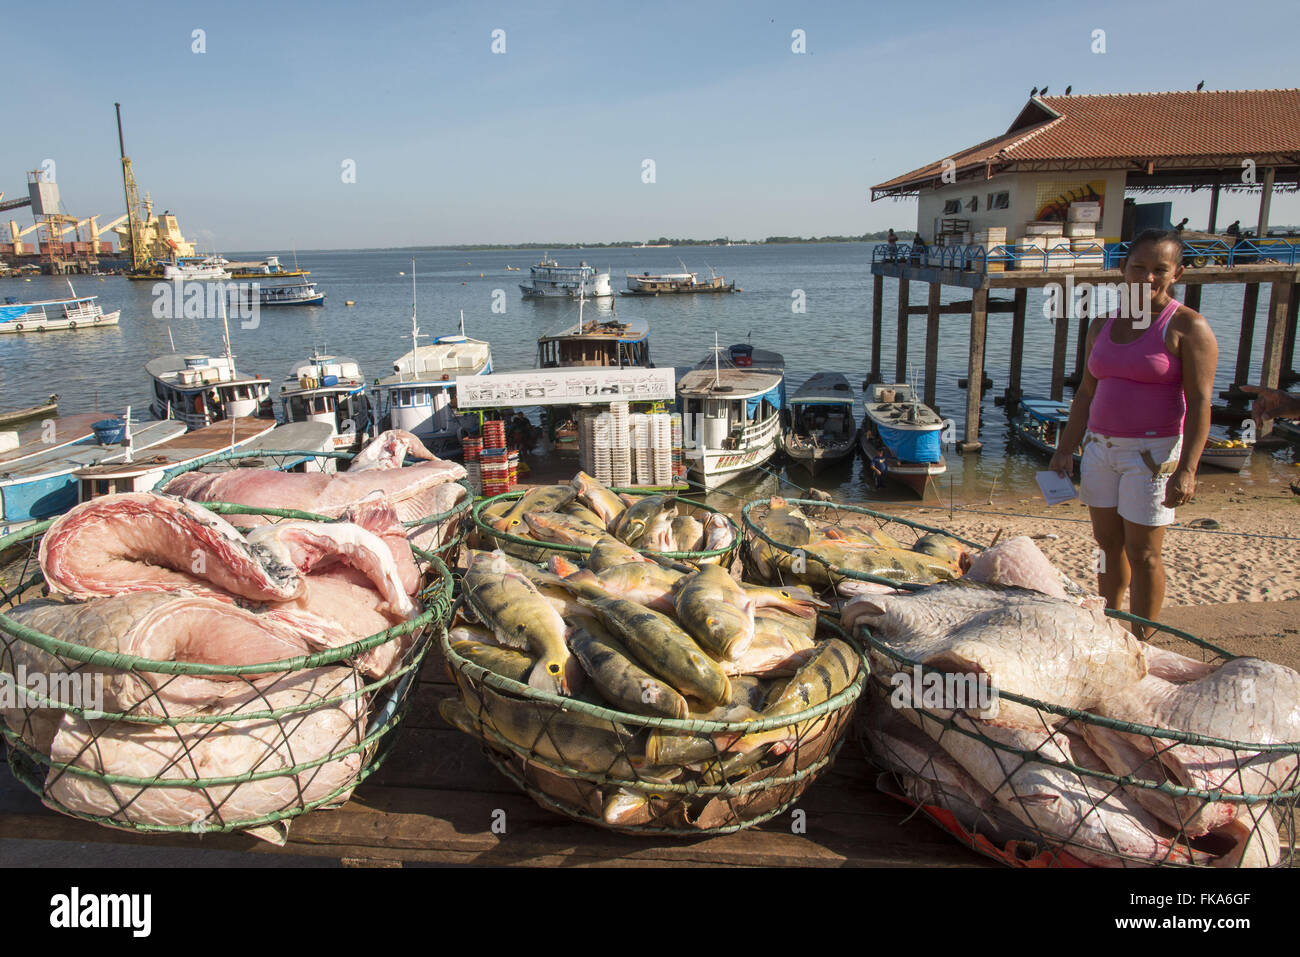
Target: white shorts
1129,474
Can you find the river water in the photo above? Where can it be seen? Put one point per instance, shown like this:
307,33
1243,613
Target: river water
104,369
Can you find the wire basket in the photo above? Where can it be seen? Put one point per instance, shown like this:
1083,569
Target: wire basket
538,552
292,735
1053,802
589,762
438,534
775,562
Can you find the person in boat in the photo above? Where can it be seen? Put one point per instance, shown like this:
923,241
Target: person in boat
1272,403
1142,415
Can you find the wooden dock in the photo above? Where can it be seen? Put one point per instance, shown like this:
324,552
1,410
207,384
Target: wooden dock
434,798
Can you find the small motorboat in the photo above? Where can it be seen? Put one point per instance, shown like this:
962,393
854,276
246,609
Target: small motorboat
822,428
901,437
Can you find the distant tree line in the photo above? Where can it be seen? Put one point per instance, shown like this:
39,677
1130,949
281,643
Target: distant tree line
903,234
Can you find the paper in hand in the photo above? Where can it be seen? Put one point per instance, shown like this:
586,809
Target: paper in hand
1055,487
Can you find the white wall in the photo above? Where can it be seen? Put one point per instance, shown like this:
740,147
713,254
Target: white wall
1023,188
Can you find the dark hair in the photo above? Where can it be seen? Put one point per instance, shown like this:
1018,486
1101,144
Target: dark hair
1157,237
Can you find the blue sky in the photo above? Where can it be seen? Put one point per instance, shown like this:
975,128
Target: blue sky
455,144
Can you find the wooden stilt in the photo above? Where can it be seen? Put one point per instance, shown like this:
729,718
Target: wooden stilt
1214,209
877,311
932,344
1278,301
900,347
1013,392
975,368
1192,296
1249,305
1289,374
1060,343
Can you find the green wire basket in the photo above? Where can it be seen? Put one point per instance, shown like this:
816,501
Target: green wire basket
774,562
532,550
1260,828
442,533
322,722
575,757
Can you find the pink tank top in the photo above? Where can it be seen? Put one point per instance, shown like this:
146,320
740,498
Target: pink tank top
1139,385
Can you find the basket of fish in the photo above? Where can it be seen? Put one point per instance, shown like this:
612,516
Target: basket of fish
569,519
1039,730
830,546
168,671
430,496
700,704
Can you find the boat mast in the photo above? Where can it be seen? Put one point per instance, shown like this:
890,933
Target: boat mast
225,324
462,323
717,356
415,329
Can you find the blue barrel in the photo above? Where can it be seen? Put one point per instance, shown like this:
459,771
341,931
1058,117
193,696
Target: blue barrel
329,380
109,431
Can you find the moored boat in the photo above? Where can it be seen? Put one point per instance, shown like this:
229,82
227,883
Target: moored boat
200,390
731,405
822,429
210,268
44,484
49,315
901,437
550,280
50,407
1231,455
328,389
597,342
300,293
142,474
674,283
1038,422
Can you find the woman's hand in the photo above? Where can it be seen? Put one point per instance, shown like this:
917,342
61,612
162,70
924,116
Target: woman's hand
1062,463
1181,488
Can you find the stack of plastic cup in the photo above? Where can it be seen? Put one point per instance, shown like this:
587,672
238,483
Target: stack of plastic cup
601,449
641,468
620,442
661,444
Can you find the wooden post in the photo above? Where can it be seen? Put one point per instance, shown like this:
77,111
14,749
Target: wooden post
1061,320
1214,208
900,347
1265,199
975,369
1249,304
1192,296
1080,347
1288,339
1013,392
877,310
1278,301
932,343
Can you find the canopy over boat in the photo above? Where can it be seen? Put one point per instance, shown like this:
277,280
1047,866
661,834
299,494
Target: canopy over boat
824,388
1047,410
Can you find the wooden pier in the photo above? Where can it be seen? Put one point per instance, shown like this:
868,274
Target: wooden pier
1279,325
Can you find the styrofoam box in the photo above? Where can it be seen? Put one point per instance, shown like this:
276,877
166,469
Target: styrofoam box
1044,229
1085,212
1080,229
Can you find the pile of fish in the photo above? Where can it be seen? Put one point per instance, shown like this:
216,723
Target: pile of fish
161,578
584,511
1017,634
415,492
645,638
811,546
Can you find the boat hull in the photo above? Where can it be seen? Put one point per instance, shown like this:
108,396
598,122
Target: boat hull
1230,460
816,460
915,475
55,325
713,468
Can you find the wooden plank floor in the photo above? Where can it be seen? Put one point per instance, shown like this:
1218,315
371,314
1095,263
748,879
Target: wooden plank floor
433,801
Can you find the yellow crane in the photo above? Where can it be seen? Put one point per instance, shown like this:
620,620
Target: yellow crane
140,258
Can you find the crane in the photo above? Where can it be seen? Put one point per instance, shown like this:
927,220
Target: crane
140,257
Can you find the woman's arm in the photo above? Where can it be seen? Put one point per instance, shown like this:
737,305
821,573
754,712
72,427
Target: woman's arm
1080,409
1199,352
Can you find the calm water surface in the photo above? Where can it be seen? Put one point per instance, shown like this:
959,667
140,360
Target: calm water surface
104,369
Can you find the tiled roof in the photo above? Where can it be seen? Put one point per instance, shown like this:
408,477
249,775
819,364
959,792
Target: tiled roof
1181,129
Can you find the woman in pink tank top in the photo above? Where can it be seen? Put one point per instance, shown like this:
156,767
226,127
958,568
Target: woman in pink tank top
1142,415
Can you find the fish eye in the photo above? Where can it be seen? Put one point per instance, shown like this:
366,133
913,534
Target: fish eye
553,669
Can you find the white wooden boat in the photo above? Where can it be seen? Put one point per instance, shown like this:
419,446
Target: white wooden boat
49,315
200,390
731,405
328,389
822,429
900,437
549,280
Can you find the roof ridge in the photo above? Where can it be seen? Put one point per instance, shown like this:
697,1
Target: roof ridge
1079,96
1030,134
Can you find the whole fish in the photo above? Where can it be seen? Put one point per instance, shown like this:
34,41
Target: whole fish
644,582
609,552
506,662
566,738
941,546
578,510
658,535
522,618
688,534
717,612
663,648
546,498
786,523
865,534
831,668
632,524
630,806
565,529
796,601
776,618
598,498
683,748
718,532
619,678
778,648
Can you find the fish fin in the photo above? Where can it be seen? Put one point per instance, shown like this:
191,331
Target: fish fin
562,566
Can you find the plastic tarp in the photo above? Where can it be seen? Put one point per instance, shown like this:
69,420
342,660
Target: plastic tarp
774,395
910,445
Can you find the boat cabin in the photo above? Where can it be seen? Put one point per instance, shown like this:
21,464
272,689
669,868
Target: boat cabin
330,390
200,390
597,342
420,396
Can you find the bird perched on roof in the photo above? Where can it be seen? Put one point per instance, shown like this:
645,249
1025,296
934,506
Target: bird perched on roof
1068,89
1034,91
1200,86
1043,92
